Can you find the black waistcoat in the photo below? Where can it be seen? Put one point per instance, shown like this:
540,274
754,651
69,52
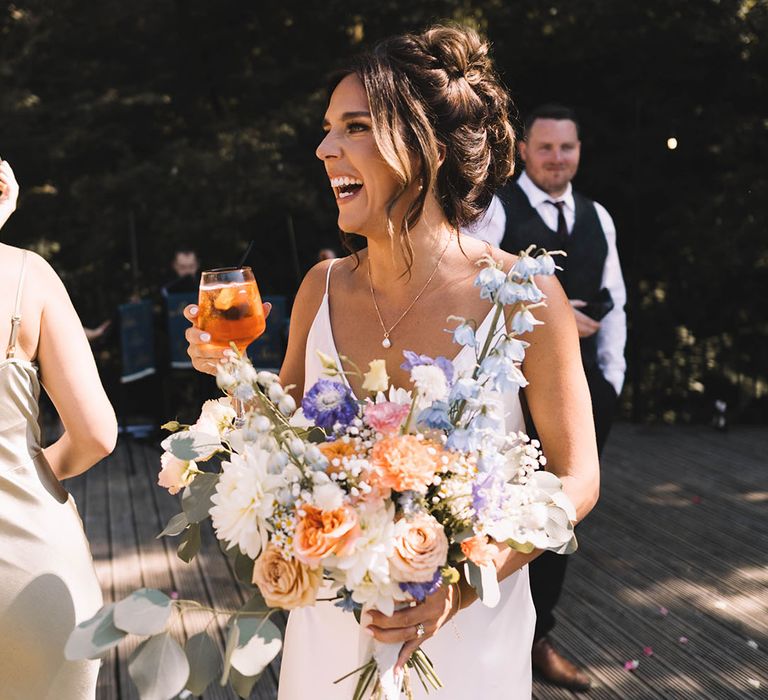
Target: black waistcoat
587,249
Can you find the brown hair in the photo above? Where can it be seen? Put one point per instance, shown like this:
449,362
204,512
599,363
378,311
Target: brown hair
435,95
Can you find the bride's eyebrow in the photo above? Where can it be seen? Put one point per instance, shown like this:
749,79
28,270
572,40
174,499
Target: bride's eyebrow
347,116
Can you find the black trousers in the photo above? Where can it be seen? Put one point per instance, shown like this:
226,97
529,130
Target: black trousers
547,571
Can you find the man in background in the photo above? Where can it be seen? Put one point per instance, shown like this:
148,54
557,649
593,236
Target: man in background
541,208
186,266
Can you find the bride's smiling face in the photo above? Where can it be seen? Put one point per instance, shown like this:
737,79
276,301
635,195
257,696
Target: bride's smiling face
361,180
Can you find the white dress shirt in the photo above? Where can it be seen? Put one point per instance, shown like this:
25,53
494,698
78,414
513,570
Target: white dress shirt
612,336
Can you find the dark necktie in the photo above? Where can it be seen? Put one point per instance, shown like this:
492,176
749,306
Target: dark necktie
562,227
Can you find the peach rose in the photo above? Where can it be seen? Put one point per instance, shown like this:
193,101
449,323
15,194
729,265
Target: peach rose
285,583
405,463
479,550
175,473
323,532
421,547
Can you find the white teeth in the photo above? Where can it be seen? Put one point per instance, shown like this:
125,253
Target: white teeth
345,181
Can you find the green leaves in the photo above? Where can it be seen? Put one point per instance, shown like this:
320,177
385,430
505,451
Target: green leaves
159,668
191,446
144,612
484,580
196,500
204,662
259,641
189,545
175,526
90,639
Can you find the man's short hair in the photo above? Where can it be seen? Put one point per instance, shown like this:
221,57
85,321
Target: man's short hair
551,111
184,250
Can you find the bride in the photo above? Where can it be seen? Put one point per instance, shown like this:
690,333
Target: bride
417,139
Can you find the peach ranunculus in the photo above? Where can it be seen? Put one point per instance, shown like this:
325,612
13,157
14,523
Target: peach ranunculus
421,547
175,473
405,463
387,416
323,532
479,550
337,450
285,583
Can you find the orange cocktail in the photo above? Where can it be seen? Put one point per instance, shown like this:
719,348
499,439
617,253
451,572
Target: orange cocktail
230,307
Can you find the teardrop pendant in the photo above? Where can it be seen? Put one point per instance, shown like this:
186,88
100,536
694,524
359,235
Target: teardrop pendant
386,343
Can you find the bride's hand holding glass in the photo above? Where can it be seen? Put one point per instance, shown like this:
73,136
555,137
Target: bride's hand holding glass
229,310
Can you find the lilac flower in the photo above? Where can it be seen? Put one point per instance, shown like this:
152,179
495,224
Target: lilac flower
419,591
436,416
524,321
328,403
525,267
413,359
464,388
489,280
546,264
464,334
345,601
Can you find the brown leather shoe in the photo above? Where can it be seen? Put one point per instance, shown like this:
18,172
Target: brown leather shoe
557,669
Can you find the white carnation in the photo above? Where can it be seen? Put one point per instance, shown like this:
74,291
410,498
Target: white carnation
430,382
245,498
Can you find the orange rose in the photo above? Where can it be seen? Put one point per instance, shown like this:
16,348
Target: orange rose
405,463
421,547
285,583
479,550
323,532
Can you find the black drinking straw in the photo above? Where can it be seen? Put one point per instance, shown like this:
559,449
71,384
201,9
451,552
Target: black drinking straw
246,254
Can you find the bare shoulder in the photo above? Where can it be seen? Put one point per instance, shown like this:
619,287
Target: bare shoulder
476,250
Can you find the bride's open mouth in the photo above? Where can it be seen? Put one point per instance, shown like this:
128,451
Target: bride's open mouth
346,188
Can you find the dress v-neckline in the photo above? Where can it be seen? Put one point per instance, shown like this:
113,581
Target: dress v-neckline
326,310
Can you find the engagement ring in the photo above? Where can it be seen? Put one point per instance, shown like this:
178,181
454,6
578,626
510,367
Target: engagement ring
420,631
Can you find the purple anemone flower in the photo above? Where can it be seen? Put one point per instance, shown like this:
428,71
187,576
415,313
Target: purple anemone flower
419,591
328,403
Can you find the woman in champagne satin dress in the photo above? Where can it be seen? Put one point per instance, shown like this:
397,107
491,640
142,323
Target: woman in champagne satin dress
47,580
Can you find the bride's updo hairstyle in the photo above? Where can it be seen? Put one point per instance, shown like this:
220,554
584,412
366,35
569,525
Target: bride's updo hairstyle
434,96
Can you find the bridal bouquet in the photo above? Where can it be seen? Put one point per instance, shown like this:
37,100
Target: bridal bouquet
371,503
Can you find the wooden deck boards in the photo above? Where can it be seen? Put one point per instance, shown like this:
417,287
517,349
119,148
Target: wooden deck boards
674,550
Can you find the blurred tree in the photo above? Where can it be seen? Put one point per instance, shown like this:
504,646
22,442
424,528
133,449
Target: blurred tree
199,119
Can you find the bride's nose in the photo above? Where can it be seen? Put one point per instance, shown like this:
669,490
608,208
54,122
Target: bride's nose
328,147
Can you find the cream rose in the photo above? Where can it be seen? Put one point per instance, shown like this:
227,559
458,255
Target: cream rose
175,473
283,583
421,547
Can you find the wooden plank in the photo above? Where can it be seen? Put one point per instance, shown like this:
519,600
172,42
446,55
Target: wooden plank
96,523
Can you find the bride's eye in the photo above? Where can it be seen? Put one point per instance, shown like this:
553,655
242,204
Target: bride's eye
357,127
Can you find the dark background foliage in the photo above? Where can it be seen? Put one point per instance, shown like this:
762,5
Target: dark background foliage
195,122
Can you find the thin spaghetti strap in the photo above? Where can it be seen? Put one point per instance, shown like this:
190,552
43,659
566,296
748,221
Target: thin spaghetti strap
16,318
328,277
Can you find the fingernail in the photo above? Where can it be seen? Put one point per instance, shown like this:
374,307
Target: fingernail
368,631
205,337
193,311
230,353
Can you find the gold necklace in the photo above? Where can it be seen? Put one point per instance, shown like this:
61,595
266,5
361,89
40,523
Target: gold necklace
387,343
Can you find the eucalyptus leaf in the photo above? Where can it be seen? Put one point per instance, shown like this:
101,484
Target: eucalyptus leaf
524,547
144,612
191,446
242,685
204,662
175,526
159,668
233,636
189,545
243,566
196,500
260,641
256,604
92,638
484,580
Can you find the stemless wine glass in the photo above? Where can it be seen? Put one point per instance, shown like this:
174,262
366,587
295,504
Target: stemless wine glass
230,307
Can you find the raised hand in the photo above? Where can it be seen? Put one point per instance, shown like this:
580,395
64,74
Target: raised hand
9,191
